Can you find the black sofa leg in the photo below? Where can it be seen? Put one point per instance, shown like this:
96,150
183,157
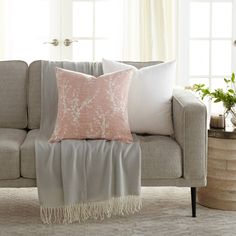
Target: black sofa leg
193,201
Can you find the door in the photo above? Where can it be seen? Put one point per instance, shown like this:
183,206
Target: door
91,29
80,30
30,29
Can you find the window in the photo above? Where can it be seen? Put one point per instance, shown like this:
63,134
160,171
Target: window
208,54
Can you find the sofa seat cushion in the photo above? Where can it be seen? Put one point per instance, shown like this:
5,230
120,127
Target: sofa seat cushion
161,157
10,141
28,155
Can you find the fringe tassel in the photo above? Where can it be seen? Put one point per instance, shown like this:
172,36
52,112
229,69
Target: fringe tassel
92,210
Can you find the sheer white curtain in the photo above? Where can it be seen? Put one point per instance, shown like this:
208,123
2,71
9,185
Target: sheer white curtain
148,30
2,27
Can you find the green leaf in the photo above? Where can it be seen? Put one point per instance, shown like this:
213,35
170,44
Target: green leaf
217,100
233,77
231,91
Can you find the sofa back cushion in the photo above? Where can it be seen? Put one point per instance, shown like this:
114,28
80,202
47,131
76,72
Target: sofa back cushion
34,95
34,102
13,94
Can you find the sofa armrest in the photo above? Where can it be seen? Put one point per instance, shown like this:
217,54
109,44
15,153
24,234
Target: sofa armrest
190,131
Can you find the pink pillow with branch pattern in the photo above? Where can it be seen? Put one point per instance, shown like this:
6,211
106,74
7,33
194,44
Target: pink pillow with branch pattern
92,108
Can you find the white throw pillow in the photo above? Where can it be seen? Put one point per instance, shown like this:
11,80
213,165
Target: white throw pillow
150,94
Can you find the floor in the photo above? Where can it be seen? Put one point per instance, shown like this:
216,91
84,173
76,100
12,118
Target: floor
166,211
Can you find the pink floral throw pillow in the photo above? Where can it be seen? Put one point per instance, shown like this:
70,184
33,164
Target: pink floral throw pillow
92,108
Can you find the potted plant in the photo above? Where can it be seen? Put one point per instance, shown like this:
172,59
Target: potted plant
227,97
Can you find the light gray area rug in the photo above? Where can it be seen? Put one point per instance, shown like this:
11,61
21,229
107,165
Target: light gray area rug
166,211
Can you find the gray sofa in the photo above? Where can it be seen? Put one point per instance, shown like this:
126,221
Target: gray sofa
166,161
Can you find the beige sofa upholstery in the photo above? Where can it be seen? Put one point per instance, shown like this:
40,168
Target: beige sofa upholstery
10,142
172,161
28,155
13,94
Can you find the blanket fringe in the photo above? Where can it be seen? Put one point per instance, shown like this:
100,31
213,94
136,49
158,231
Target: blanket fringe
91,210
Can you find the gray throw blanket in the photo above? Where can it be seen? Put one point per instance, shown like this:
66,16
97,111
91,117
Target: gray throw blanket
78,180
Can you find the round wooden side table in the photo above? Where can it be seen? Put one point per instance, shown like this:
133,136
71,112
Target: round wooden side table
220,192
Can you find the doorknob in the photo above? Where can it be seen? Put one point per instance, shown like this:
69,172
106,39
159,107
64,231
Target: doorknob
68,42
234,43
54,42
